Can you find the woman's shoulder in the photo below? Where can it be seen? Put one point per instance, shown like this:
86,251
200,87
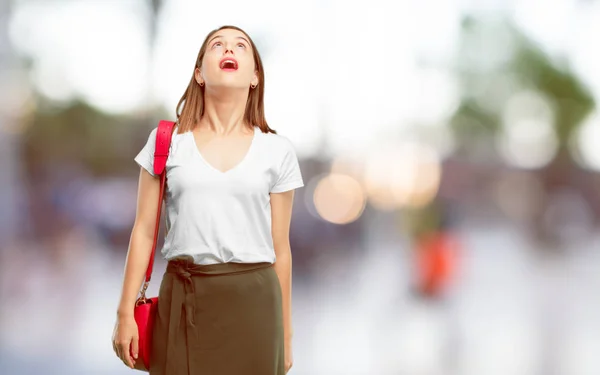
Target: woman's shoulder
152,132
177,140
277,140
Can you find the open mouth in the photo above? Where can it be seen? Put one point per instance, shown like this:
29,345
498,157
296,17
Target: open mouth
228,64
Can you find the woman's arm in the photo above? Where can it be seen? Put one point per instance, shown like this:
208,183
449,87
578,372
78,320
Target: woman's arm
140,244
281,216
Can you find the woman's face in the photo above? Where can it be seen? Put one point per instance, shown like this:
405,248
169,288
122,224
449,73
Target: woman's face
228,61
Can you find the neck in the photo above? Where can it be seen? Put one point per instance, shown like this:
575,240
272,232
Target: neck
224,112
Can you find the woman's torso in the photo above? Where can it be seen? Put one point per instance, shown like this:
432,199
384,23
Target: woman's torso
216,216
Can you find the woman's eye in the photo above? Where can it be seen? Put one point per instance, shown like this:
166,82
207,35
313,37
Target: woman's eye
241,45
217,44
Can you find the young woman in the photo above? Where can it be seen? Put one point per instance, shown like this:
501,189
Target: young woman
225,298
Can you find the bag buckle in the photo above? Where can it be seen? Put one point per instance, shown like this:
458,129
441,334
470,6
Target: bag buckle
142,298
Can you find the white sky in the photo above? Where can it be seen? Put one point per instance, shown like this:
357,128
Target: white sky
351,65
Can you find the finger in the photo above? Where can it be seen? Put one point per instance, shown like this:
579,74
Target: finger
134,347
120,351
125,354
120,354
116,349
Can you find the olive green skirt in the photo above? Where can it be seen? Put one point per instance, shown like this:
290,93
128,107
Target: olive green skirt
221,319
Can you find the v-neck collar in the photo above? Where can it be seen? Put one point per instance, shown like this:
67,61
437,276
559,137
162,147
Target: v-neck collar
246,156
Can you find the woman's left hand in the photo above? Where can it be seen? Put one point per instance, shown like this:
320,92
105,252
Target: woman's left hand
289,358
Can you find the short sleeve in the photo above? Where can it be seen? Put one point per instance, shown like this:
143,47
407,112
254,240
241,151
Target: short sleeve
289,176
145,158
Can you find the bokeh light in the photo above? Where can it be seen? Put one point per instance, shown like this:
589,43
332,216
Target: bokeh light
585,144
339,199
407,175
527,139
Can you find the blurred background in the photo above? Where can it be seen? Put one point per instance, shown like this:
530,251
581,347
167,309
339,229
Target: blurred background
450,222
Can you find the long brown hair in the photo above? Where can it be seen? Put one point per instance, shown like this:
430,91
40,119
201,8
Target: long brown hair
191,105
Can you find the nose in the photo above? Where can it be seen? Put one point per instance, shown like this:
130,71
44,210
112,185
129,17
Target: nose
228,48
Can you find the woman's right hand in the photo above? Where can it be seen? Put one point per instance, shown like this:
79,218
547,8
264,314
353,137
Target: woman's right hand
125,339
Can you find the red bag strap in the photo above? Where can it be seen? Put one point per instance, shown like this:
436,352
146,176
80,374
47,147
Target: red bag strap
161,153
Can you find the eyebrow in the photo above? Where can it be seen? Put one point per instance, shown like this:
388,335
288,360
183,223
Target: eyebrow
220,36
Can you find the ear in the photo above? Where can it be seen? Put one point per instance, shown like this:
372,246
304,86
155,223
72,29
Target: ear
254,81
198,76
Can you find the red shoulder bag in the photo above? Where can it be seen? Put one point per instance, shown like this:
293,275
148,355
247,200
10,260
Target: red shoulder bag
145,308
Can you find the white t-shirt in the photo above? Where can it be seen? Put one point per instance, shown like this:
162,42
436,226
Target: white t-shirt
218,217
